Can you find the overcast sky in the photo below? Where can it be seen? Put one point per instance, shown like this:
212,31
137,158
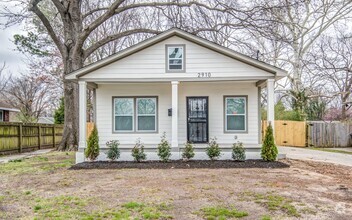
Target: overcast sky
14,60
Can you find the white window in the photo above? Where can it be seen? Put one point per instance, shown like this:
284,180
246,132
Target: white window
124,114
1,115
175,58
135,114
146,114
235,114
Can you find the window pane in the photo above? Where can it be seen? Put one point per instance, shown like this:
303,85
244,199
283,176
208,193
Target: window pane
123,123
146,123
123,106
1,116
175,52
175,67
175,62
146,105
235,122
235,105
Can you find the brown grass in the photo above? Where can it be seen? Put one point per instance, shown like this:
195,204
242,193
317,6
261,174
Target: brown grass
43,188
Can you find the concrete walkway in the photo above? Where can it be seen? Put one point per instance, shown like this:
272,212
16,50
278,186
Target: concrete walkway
6,159
316,155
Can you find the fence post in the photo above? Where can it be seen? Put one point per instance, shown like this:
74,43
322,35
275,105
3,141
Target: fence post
54,141
20,138
39,137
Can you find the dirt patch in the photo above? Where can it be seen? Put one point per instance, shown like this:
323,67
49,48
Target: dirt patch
44,188
180,164
329,169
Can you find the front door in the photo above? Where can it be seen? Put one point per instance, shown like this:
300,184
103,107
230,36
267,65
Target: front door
197,119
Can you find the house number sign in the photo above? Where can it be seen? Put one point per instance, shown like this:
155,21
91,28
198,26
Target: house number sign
204,75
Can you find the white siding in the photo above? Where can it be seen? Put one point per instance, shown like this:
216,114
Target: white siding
214,90
150,63
105,94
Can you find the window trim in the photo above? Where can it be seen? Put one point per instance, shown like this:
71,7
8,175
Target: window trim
246,114
167,70
135,120
2,116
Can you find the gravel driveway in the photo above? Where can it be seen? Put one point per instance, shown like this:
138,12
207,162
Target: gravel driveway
316,155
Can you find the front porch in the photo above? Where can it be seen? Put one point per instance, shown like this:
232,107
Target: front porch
172,115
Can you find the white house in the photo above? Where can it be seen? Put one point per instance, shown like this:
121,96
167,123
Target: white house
180,84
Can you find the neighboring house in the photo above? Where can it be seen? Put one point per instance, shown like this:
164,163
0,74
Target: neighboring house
46,120
181,84
8,113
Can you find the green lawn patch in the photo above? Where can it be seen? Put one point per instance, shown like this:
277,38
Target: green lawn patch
274,202
147,211
221,213
266,217
51,162
72,207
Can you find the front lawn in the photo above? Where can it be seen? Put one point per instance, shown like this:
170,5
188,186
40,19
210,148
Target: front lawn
43,187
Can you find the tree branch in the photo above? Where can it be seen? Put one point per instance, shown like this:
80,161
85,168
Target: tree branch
114,37
33,6
116,9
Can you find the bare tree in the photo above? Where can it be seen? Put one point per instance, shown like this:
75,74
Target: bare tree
299,24
3,79
285,31
32,94
71,24
331,63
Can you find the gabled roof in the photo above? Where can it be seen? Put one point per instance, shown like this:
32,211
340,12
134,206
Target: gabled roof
182,34
5,106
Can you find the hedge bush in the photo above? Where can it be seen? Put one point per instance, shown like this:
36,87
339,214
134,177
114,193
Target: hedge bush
114,150
213,151
164,149
238,152
138,151
188,151
92,150
269,149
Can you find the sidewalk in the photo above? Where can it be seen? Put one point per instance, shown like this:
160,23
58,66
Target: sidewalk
6,159
316,155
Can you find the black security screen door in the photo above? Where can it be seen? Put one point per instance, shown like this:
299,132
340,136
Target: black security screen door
197,119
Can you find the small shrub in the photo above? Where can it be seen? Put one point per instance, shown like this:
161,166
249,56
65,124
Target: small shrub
164,149
269,149
213,151
92,150
188,151
138,151
238,152
114,151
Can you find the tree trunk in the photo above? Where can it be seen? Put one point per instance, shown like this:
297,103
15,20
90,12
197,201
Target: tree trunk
70,135
343,107
72,56
71,126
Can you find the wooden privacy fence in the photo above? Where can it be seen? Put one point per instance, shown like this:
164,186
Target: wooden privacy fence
19,137
288,133
329,134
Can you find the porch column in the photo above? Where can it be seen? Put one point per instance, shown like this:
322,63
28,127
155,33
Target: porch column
95,106
82,114
174,130
271,101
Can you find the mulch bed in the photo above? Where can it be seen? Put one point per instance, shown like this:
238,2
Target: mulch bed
180,164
